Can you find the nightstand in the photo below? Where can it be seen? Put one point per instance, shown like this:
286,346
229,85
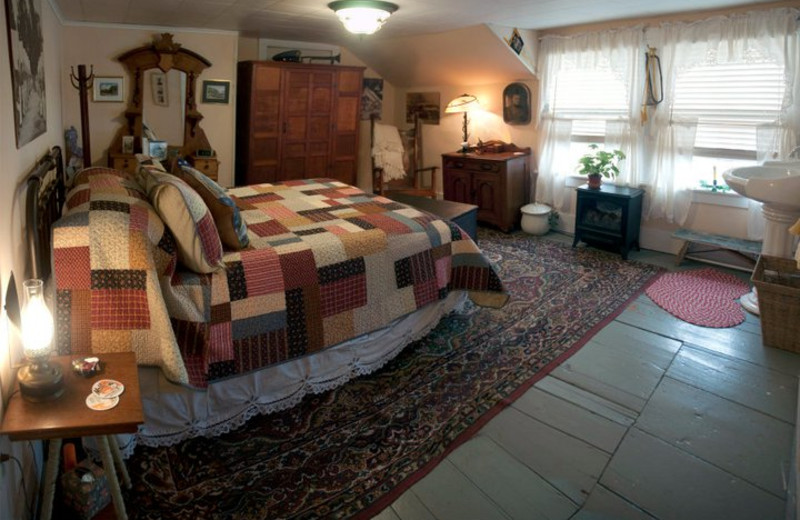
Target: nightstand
68,416
609,216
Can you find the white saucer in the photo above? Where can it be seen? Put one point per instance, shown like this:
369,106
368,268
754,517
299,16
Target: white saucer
100,404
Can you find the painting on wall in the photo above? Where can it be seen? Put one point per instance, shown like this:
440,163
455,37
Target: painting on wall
107,88
26,54
216,91
426,104
371,98
517,104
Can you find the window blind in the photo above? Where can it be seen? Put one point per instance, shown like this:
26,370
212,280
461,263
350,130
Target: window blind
590,97
729,102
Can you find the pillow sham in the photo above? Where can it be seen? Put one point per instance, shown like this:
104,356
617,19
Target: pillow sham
188,217
232,228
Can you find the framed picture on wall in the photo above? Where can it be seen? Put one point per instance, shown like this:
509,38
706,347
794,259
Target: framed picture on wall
515,42
517,104
26,46
107,88
216,91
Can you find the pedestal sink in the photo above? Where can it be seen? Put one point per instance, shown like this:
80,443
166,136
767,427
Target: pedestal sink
776,184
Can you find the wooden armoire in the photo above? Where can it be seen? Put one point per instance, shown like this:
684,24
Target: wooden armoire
297,121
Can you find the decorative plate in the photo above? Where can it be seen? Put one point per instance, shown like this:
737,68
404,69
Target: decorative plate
100,404
107,388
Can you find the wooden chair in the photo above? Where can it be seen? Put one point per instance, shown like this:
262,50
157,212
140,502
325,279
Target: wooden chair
417,181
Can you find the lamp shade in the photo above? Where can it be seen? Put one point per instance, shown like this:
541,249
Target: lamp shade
363,16
463,103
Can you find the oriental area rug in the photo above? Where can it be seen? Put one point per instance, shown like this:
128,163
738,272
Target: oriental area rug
352,451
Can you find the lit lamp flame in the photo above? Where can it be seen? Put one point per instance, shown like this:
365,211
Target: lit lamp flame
38,381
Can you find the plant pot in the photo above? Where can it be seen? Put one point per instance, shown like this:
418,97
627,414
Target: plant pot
595,181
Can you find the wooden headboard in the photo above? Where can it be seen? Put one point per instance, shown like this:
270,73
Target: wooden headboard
46,191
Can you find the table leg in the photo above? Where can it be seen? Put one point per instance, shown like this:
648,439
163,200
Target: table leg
50,474
118,462
111,474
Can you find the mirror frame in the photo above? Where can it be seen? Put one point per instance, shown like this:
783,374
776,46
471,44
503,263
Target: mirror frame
163,54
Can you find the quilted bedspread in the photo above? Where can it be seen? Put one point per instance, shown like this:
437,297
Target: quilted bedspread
327,262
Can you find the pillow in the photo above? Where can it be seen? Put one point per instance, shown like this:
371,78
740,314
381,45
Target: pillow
86,174
231,226
188,217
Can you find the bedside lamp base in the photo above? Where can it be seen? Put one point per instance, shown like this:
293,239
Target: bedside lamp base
39,382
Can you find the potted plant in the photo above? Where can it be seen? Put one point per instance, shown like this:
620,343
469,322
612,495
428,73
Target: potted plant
600,163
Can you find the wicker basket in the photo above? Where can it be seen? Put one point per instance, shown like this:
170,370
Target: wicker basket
778,283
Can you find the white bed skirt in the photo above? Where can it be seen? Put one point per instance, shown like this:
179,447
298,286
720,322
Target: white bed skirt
174,413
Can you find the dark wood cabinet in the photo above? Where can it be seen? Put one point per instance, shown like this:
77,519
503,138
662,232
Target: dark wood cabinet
297,121
495,182
609,216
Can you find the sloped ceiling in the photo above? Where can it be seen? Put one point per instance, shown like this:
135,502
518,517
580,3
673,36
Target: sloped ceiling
475,55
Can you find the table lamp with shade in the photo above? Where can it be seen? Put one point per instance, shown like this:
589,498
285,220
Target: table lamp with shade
464,103
38,380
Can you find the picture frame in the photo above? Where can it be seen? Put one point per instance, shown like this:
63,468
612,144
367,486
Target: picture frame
158,150
158,85
108,88
515,42
426,104
517,104
216,91
25,48
127,144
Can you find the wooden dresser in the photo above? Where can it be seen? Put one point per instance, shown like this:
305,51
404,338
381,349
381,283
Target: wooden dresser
495,182
297,121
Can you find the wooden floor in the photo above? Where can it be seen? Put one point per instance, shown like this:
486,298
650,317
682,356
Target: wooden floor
653,418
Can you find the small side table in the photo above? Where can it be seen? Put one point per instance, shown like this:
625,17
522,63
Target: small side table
69,416
609,216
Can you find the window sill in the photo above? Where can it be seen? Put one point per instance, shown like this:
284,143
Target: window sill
730,199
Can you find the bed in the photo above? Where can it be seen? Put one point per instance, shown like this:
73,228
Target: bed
296,288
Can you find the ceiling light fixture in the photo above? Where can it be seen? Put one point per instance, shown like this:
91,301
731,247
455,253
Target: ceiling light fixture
363,16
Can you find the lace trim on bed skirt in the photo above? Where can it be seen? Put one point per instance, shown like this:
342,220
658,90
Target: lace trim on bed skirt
252,407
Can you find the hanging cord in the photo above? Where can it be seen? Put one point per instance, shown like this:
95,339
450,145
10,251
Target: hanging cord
653,92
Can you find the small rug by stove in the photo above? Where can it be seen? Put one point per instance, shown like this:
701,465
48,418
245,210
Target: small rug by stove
705,297
352,451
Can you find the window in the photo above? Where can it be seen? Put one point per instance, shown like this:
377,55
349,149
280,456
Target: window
729,102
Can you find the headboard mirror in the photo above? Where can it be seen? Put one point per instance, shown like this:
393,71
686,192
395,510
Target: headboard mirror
178,68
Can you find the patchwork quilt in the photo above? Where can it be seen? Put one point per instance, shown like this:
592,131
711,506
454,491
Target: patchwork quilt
326,263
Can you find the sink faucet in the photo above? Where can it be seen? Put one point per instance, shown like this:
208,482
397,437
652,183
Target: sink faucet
795,154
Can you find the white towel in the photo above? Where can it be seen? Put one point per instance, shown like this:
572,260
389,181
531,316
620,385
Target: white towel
387,150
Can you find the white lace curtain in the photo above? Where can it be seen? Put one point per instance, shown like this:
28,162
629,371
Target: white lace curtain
660,151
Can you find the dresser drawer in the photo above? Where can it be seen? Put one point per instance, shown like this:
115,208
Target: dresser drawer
207,166
475,165
122,162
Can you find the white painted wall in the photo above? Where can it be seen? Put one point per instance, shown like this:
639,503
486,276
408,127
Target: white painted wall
15,164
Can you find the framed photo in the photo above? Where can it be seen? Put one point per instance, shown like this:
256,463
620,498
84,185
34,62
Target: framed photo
371,98
107,88
26,46
158,84
158,150
515,42
127,144
216,91
517,104
426,104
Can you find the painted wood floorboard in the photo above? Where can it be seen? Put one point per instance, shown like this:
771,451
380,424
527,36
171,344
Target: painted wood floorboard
654,418
671,484
721,432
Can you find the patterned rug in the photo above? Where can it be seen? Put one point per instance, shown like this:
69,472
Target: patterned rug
705,297
353,451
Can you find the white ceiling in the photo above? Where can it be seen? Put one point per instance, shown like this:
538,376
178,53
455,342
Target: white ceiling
313,21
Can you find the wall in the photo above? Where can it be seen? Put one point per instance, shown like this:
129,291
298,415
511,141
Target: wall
16,163
80,46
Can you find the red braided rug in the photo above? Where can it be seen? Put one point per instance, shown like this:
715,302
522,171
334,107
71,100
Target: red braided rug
705,297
